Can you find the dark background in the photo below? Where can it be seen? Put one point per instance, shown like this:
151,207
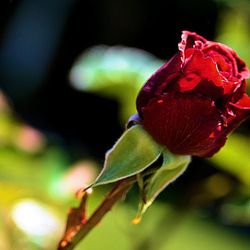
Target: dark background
61,30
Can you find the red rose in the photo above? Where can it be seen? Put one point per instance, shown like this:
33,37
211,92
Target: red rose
196,99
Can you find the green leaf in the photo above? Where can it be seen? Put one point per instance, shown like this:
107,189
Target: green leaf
101,66
172,167
133,152
113,72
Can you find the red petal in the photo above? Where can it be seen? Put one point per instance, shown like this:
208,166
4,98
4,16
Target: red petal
239,111
190,40
185,124
243,103
189,81
158,81
204,66
201,70
240,69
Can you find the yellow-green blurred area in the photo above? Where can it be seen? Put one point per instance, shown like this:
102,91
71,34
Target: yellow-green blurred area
38,186
72,70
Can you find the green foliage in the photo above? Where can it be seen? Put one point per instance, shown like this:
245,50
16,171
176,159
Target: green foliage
151,186
114,72
234,158
233,27
173,166
161,229
132,153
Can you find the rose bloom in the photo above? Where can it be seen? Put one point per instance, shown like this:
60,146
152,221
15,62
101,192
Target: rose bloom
196,99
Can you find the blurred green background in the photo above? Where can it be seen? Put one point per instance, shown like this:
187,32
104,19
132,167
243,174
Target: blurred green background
69,75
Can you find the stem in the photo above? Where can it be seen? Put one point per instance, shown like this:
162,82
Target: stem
118,191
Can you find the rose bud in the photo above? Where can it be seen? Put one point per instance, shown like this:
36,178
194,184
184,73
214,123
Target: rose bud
196,99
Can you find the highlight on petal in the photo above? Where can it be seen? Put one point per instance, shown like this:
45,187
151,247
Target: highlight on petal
189,81
190,40
201,70
204,66
223,56
193,40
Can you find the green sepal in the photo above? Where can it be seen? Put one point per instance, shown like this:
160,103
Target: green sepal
132,153
172,167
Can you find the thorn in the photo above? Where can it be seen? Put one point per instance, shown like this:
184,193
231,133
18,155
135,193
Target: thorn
80,193
136,220
64,243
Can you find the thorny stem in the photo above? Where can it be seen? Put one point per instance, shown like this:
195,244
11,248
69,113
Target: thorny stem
118,192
